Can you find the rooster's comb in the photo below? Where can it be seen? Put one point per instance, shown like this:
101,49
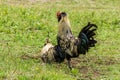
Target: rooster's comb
58,13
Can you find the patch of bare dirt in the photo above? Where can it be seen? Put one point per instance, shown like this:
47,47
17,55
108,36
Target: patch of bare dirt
92,67
99,60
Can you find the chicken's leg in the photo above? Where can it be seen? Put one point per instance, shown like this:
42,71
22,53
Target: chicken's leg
69,64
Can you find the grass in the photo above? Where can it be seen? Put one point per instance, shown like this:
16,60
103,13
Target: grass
24,26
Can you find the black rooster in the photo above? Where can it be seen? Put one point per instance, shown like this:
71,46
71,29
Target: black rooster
72,47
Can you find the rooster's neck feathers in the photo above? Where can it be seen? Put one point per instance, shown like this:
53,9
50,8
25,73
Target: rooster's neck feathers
64,27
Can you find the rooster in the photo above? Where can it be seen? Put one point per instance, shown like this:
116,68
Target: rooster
72,47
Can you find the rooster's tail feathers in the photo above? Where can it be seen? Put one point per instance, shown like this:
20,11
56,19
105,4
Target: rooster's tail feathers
86,37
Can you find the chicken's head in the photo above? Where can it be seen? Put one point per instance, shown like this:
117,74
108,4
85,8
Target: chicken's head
60,15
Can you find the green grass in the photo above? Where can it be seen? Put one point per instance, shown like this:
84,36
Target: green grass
24,26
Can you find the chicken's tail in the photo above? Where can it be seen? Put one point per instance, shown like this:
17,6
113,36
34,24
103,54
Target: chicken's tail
86,38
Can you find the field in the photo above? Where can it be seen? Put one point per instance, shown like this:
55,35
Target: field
24,27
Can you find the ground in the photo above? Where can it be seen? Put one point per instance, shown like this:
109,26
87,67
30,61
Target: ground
25,24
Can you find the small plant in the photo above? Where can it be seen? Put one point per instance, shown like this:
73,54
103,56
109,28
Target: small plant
75,71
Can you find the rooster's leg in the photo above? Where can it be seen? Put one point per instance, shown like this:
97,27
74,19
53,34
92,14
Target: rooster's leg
69,64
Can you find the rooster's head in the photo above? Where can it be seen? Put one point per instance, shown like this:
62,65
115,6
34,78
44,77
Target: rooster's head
60,15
